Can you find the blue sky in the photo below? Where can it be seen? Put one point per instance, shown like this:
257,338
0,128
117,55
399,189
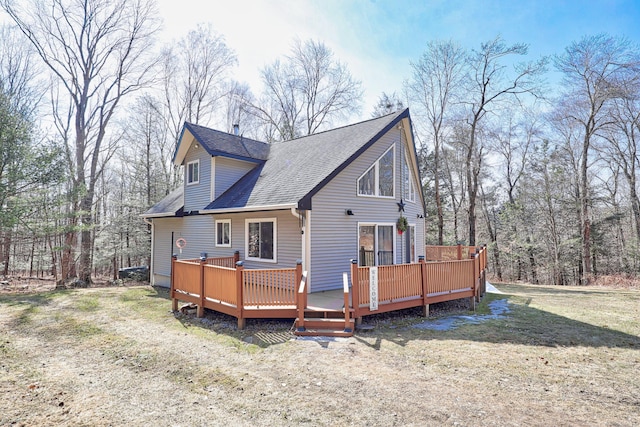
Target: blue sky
378,38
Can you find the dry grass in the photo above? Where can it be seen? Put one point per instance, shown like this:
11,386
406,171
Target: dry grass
117,356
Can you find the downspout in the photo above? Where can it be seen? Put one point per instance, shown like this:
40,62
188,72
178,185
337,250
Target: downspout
152,278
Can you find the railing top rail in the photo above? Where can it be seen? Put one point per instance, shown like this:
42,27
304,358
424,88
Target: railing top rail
220,267
303,283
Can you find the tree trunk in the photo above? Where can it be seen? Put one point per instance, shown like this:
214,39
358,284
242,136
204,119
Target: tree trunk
584,214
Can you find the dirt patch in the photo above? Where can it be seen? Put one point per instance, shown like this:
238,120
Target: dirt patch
119,356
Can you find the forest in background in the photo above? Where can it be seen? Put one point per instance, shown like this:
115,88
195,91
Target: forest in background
535,157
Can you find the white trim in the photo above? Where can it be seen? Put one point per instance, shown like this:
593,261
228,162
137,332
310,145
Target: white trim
213,178
376,177
250,209
215,225
158,215
152,278
306,258
415,242
196,161
261,208
275,239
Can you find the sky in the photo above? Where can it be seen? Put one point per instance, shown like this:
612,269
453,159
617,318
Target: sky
378,39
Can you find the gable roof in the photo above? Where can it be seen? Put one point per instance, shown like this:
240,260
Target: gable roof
299,168
288,173
218,143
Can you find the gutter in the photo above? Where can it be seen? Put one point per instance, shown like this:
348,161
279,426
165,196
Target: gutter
292,206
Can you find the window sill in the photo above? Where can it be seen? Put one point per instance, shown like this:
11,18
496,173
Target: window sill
270,261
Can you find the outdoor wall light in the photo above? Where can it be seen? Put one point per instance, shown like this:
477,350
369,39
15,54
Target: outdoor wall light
348,212
420,216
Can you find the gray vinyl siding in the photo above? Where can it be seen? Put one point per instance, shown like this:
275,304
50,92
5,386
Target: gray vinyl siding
199,231
197,196
334,238
228,172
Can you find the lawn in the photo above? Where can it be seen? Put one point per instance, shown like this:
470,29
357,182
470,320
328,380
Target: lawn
118,356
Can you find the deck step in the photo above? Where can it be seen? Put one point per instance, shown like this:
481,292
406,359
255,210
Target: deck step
325,327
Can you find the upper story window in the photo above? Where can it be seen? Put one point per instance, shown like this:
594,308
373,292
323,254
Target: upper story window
409,191
193,172
379,179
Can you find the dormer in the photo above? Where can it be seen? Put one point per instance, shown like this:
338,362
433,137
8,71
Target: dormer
213,161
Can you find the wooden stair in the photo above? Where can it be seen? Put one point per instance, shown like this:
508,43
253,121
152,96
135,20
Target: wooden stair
324,323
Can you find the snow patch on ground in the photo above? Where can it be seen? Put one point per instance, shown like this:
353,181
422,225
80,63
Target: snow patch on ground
499,309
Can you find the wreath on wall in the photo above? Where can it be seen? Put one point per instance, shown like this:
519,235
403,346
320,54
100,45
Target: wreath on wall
402,224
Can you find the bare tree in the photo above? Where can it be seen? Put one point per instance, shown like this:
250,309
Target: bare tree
306,91
387,104
195,70
596,70
95,49
488,86
435,78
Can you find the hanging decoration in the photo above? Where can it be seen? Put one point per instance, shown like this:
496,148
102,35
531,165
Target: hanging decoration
402,224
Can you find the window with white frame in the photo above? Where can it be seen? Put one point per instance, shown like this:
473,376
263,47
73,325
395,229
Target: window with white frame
223,233
376,244
379,179
409,191
261,244
193,172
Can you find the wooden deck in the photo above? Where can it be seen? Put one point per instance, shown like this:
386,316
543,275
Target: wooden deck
282,293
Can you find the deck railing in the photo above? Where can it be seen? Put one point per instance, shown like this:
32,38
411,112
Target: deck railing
411,285
282,293
237,291
448,253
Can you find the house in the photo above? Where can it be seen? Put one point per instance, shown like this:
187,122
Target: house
323,199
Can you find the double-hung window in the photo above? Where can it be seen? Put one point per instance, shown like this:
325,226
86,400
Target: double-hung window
193,172
379,179
223,233
261,244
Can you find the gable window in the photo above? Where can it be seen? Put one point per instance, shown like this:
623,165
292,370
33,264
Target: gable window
409,191
223,233
193,172
261,244
379,179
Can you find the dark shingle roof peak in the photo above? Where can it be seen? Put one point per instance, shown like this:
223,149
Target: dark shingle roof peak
222,143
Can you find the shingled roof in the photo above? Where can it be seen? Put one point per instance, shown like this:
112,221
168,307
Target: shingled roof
172,204
219,143
293,171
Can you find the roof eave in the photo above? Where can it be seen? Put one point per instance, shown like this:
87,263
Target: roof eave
249,208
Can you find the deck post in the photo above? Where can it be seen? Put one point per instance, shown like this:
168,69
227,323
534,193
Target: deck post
476,277
355,291
459,252
347,309
423,275
239,300
172,291
200,311
298,277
